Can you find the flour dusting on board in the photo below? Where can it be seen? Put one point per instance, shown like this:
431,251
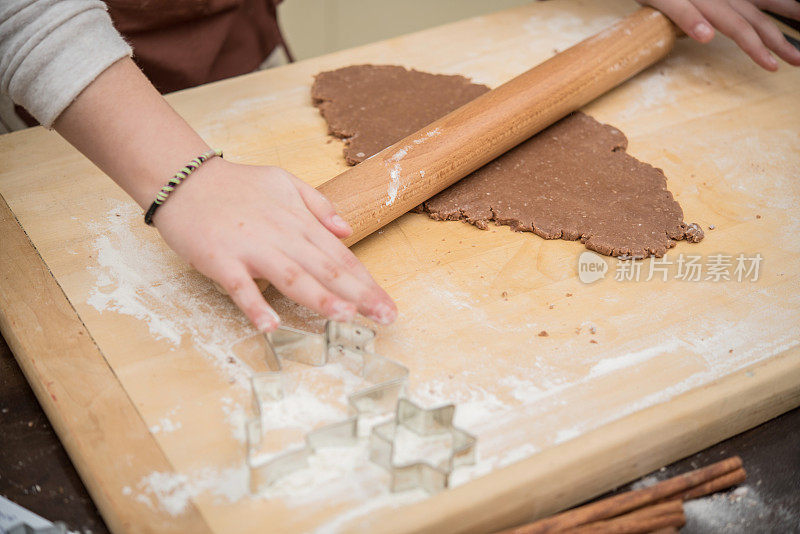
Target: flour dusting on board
495,378
562,30
760,185
497,374
344,476
609,365
141,278
172,492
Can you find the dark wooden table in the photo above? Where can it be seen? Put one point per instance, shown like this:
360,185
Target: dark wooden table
36,473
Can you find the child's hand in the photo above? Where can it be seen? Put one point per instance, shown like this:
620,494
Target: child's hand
235,223
741,20
232,222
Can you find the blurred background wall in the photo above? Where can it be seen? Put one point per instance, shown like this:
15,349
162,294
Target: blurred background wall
315,27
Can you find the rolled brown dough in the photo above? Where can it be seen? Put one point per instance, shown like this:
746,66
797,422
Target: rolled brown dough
572,181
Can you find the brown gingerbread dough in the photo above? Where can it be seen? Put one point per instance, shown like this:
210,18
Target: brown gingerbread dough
373,106
572,181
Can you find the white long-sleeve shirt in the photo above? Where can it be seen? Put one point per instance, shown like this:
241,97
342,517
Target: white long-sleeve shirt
50,50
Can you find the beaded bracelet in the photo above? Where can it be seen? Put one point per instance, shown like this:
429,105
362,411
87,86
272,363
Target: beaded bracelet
176,180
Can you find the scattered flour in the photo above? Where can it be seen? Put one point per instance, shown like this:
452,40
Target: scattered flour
525,391
236,416
410,447
564,29
138,276
342,522
394,174
302,409
609,365
400,154
761,186
566,435
393,165
394,183
645,482
334,475
428,135
734,512
474,404
515,455
173,491
165,425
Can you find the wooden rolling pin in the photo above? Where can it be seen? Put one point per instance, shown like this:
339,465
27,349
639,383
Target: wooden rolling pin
387,185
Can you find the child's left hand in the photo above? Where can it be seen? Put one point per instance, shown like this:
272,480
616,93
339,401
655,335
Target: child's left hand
741,20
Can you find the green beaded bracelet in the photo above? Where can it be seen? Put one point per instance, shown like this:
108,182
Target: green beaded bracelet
176,180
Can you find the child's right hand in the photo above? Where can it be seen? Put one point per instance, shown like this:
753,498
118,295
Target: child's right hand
741,20
236,222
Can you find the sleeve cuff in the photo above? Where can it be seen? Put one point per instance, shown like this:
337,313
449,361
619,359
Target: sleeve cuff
63,58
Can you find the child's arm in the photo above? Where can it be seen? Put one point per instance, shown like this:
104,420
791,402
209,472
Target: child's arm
232,222
741,20
67,65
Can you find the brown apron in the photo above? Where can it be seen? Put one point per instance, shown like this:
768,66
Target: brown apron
184,43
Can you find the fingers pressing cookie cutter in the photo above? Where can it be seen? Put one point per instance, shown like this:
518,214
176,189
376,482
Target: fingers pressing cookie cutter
386,377
433,422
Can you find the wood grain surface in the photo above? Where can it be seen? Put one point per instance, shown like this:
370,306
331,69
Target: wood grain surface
148,363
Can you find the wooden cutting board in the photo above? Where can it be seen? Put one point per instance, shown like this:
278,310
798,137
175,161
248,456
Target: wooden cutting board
142,366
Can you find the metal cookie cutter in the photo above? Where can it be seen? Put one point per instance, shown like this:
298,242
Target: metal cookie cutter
422,422
387,380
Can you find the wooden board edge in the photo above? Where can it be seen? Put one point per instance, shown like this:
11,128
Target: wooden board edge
97,428
607,457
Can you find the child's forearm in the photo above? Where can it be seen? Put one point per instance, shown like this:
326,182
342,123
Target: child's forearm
126,128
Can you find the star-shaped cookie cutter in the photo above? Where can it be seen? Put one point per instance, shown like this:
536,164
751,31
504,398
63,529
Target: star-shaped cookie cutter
387,378
423,422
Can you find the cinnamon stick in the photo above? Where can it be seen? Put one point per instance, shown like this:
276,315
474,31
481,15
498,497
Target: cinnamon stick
692,483
641,521
715,485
